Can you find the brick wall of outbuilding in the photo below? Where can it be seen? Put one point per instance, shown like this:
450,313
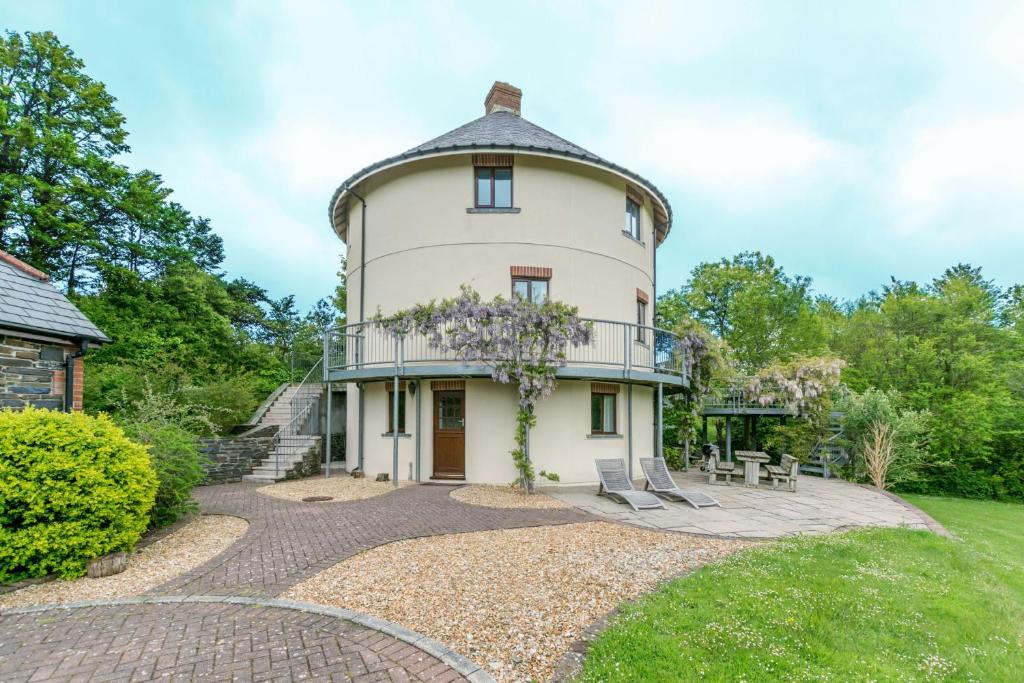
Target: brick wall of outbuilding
32,373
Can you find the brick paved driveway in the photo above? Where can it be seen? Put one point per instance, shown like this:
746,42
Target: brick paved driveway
207,641
289,541
185,630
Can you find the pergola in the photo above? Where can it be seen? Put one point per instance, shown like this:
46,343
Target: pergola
737,404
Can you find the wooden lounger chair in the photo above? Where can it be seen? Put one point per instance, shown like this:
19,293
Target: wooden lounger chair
616,485
661,483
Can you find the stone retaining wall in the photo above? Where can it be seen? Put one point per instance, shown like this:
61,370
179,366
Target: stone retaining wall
229,458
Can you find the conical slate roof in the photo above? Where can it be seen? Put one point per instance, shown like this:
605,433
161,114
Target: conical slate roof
502,130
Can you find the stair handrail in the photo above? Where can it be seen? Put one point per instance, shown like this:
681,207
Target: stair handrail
300,404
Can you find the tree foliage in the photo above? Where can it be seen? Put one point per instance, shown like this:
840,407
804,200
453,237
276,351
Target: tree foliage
950,352
140,265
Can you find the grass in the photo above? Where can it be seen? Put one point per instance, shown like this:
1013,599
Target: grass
868,605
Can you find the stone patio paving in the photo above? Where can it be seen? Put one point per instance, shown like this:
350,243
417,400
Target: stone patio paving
818,506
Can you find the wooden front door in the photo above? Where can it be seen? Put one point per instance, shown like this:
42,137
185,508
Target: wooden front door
449,434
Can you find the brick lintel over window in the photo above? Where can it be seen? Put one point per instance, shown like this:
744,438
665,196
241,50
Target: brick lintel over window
448,385
641,296
533,272
603,388
498,160
391,385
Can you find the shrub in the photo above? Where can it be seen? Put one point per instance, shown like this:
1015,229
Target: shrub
72,488
907,434
169,429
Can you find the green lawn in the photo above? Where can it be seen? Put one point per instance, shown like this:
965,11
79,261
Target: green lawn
869,605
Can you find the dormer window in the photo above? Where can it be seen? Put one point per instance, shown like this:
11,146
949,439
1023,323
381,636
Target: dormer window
632,227
494,187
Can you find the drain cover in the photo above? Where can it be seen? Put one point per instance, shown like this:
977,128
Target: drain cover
317,499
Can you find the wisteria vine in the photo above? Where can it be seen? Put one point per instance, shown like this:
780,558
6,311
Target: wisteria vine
520,341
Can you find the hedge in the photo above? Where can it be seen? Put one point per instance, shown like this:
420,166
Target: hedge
72,488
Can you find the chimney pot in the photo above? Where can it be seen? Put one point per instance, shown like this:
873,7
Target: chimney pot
503,97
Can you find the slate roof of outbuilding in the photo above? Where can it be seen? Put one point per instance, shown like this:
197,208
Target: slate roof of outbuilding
499,130
32,304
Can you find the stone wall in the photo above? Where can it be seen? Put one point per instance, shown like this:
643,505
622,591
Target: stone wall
32,373
231,457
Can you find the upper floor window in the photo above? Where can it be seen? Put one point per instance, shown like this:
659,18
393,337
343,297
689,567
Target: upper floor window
493,187
530,289
632,227
531,283
641,316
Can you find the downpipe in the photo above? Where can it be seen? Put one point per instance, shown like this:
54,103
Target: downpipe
69,375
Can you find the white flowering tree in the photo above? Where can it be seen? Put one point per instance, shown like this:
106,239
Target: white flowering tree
520,341
805,386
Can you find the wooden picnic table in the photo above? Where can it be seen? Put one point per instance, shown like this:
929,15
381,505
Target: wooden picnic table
752,461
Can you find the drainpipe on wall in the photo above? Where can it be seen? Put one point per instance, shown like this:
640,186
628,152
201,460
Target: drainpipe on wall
69,375
362,303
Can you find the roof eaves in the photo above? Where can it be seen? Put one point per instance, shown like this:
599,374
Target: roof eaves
425,152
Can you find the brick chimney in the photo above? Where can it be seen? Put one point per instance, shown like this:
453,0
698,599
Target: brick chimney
503,97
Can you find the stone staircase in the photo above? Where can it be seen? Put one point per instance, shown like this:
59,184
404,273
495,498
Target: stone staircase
294,453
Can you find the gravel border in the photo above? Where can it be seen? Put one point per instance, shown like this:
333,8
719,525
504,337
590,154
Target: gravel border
342,488
460,664
522,631
179,549
505,498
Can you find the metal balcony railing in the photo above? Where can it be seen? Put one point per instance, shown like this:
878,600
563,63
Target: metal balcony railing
613,344
737,397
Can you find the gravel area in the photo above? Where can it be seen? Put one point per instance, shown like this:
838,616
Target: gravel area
187,548
506,497
511,600
339,487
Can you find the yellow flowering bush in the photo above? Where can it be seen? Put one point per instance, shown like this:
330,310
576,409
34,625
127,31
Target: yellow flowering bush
72,487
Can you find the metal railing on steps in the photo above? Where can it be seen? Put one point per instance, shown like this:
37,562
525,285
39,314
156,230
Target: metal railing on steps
303,427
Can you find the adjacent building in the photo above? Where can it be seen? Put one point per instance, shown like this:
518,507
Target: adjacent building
503,206
43,338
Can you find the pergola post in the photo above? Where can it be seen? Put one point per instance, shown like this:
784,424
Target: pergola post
728,438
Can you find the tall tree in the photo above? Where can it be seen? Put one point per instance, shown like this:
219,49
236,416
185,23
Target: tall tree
751,303
59,130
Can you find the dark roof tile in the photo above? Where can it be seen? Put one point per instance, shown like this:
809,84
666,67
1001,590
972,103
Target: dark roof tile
30,304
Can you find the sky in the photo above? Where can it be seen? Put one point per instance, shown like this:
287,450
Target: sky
853,141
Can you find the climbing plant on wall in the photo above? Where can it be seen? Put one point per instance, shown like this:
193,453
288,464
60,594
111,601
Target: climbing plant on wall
520,341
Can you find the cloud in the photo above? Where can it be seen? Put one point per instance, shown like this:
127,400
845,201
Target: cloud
737,155
968,155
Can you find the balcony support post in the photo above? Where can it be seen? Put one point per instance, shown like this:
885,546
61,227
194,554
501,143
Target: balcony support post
660,452
419,395
629,425
394,415
327,385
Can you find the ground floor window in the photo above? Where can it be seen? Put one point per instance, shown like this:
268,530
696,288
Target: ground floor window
604,400
391,407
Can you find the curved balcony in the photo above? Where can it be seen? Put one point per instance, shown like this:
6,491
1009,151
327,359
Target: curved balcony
617,351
